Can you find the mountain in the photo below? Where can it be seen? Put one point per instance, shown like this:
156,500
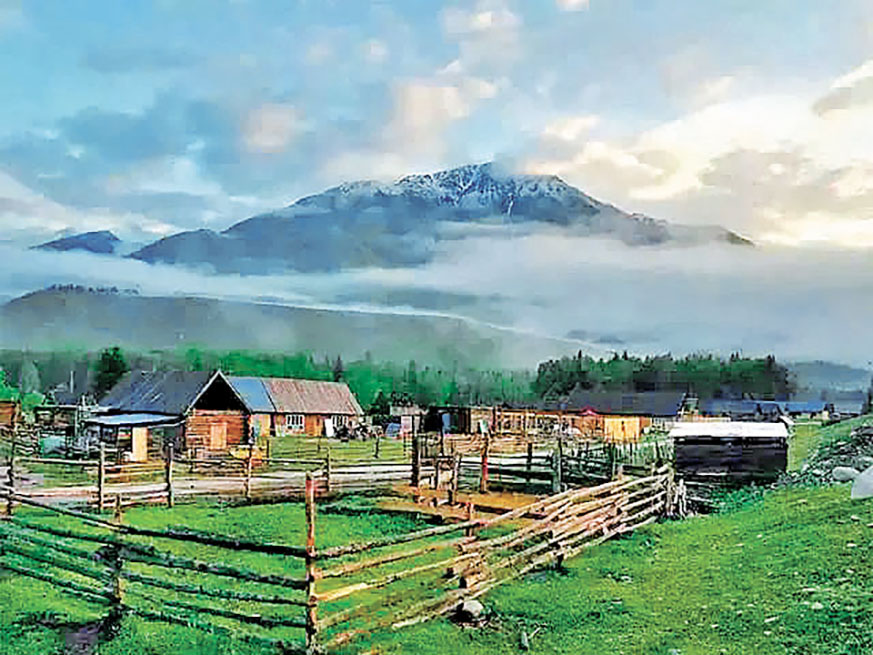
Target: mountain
367,223
102,242
95,318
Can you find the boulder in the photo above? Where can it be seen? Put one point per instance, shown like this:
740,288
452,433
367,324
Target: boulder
469,611
863,487
845,473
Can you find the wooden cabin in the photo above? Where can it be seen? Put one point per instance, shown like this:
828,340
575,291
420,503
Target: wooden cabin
10,414
618,417
199,412
287,406
730,452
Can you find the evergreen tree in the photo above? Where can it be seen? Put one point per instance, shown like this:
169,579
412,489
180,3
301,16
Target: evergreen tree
110,366
338,369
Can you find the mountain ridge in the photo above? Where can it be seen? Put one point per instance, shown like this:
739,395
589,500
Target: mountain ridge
369,223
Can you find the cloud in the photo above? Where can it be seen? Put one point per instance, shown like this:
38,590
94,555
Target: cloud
851,90
573,5
772,166
271,127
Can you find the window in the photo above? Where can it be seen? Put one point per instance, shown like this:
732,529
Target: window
294,422
340,421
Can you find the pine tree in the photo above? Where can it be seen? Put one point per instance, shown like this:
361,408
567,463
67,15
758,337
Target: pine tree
110,366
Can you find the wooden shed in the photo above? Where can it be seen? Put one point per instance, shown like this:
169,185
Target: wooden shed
204,408
730,452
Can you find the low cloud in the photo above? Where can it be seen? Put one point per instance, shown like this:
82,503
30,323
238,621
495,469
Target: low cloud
796,303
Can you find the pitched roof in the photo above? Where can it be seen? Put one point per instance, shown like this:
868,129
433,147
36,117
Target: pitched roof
157,392
648,403
292,396
254,393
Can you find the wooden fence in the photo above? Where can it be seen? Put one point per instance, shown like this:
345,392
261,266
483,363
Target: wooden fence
411,578
333,594
108,563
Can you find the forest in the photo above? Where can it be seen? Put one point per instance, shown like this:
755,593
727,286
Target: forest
378,383
705,375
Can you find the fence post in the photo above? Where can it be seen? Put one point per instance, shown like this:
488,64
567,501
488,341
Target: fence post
169,475
101,478
311,598
558,463
118,517
327,483
10,475
483,476
416,461
248,487
378,442
528,466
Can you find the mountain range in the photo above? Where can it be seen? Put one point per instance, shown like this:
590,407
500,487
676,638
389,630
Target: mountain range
362,224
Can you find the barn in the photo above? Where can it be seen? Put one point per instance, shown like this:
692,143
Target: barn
283,406
730,452
197,411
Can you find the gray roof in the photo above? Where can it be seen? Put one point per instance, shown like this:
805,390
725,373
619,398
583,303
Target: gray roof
118,420
646,403
159,392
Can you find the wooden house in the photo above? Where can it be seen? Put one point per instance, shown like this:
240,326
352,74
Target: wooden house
618,417
10,414
286,406
729,452
196,411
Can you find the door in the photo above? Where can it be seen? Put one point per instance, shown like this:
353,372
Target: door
140,445
218,436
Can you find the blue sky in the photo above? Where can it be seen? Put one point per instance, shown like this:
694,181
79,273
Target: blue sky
152,117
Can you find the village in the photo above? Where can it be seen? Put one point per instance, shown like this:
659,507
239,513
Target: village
491,493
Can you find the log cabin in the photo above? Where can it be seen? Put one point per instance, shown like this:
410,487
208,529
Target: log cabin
197,411
288,406
10,414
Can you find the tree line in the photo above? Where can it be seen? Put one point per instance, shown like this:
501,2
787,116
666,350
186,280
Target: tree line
705,375
380,384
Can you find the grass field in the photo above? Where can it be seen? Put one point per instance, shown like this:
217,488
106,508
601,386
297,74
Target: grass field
788,574
809,436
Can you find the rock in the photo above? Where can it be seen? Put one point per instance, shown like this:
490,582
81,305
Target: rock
863,487
469,610
845,473
863,462
817,606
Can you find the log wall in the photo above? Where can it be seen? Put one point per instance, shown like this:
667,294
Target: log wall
198,427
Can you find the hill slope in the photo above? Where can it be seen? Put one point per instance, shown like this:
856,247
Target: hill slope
371,224
54,317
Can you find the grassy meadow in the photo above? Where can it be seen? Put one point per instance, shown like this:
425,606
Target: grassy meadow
782,572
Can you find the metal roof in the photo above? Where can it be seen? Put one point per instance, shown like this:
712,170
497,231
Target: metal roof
648,403
118,420
291,396
156,392
254,394
728,429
